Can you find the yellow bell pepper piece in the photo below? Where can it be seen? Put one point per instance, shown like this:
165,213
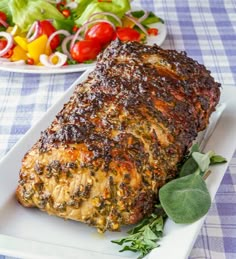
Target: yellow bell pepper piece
22,42
37,47
18,54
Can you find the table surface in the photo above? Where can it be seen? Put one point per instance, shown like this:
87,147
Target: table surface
206,30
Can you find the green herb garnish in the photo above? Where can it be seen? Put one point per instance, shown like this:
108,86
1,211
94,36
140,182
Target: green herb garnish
184,200
143,237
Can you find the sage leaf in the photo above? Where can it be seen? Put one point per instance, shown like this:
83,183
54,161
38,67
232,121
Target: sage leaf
203,160
217,159
189,167
194,148
185,199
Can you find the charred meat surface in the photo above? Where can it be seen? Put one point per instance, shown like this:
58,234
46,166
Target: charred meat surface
120,137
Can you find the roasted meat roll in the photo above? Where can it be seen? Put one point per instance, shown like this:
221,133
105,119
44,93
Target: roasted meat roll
120,137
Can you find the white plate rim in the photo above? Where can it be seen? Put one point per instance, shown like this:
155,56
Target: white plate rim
13,246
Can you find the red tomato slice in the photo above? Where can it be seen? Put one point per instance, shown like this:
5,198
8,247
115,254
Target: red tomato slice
85,50
127,34
102,32
3,44
45,27
3,16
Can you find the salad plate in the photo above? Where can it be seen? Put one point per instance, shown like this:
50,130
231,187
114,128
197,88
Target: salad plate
30,233
11,67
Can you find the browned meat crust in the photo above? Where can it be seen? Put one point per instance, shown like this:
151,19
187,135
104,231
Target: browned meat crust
120,137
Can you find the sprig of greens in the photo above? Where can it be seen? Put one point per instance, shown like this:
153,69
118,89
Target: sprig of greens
143,237
184,200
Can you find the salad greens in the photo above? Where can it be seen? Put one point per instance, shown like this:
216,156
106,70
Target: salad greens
5,7
87,7
184,200
77,30
24,13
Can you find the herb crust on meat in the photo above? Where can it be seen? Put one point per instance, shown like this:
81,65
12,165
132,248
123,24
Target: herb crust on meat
120,137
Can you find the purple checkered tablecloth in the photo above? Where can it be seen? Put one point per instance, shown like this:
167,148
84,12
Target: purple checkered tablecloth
206,30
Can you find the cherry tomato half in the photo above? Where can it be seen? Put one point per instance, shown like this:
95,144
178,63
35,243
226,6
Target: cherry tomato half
66,13
30,61
61,5
45,27
127,34
3,44
152,31
85,50
102,32
75,28
3,16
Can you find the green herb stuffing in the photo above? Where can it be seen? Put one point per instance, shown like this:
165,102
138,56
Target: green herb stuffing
184,200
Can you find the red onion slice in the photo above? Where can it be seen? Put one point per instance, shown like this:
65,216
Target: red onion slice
72,5
14,30
97,21
18,62
33,31
138,24
6,61
47,61
144,17
9,40
54,1
65,44
5,24
108,14
63,32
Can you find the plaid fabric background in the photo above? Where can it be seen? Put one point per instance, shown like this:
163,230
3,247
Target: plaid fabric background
206,30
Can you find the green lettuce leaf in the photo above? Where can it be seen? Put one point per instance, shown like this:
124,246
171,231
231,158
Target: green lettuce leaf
4,7
88,7
27,11
65,24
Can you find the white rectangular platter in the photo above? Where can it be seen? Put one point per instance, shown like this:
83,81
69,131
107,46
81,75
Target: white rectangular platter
30,233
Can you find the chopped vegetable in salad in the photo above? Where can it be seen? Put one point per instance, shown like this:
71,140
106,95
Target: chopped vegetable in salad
55,33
